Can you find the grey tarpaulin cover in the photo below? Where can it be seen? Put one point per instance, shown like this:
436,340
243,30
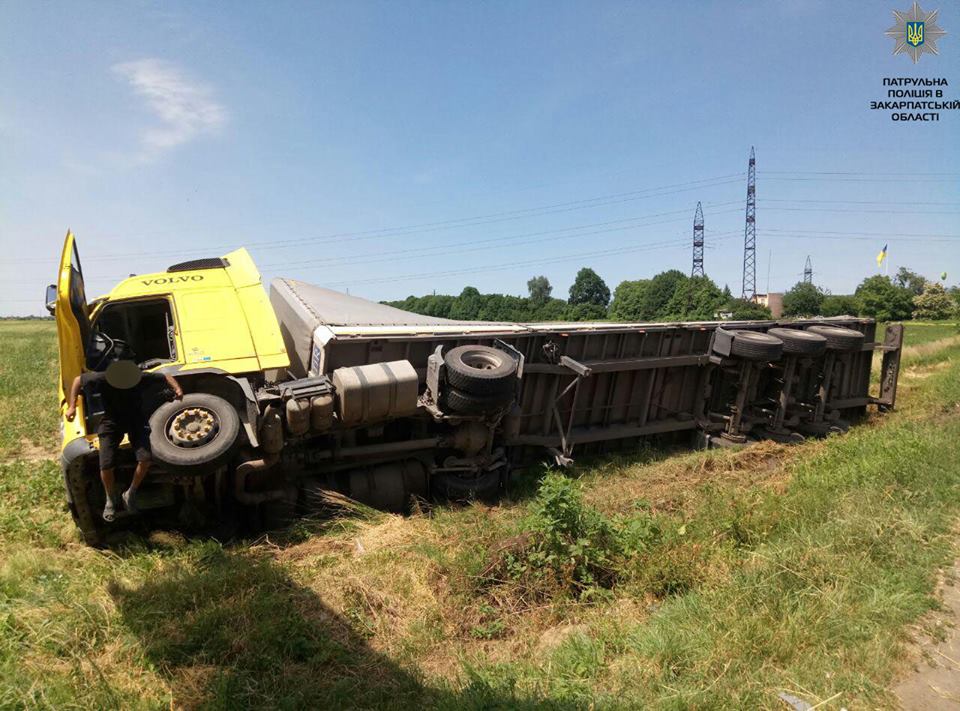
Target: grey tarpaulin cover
301,307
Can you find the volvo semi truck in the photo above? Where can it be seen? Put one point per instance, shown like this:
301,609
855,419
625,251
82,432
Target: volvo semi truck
305,390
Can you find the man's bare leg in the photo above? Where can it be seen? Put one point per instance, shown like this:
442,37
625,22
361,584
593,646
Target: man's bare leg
130,495
109,487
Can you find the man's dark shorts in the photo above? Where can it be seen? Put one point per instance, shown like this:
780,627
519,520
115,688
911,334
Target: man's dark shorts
112,435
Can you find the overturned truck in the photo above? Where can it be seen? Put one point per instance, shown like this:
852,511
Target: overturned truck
338,393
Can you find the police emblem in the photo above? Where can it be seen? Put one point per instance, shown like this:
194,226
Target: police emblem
916,32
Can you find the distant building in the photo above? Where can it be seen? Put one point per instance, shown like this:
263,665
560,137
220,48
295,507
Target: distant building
772,301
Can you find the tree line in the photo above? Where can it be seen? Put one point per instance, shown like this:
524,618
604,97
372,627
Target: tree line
669,296
674,296
906,295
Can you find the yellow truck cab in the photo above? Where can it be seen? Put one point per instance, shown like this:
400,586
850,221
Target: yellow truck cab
208,322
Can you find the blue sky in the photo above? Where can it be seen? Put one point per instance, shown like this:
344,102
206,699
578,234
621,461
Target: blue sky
403,147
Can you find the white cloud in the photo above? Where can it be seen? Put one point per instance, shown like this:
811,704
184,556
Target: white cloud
185,109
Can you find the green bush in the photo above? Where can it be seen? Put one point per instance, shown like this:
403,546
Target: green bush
567,543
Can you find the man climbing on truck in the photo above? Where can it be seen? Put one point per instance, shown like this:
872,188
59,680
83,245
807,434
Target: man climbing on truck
121,387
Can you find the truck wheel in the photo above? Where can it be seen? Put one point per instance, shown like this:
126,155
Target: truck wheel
480,370
200,429
484,487
752,345
456,401
839,338
800,342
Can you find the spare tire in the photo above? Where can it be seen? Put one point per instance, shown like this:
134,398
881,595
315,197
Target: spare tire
800,342
454,400
839,338
480,370
753,345
199,430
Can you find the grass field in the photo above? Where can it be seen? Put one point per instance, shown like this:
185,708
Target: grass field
693,580
921,332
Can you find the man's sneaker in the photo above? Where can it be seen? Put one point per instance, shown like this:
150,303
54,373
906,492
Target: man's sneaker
109,511
130,501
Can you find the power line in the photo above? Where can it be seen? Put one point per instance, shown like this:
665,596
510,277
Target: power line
863,180
829,172
521,238
511,265
892,240
537,211
473,221
862,202
473,245
866,212
866,234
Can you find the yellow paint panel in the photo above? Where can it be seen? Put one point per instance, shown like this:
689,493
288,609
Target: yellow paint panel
70,309
264,328
213,326
236,365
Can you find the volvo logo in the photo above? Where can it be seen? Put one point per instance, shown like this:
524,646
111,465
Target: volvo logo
171,280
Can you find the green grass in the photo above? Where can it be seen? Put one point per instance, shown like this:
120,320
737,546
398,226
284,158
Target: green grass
750,572
28,366
919,332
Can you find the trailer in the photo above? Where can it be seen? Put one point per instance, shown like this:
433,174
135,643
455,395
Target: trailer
313,390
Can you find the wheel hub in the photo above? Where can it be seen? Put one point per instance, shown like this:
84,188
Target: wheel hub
193,427
479,361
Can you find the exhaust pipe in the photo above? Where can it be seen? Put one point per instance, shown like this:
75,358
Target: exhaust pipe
240,482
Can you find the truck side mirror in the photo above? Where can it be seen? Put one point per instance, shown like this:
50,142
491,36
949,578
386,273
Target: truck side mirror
50,301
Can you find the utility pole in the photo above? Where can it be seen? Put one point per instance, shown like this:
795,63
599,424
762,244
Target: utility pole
808,271
697,269
750,232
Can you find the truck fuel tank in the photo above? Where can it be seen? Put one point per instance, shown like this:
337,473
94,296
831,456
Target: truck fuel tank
376,392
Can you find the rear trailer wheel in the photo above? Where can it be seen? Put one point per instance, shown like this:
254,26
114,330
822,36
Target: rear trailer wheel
480,370
200,429
799,342
457,401
752,345
839,338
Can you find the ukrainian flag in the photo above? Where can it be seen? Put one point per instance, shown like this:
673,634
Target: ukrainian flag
882,255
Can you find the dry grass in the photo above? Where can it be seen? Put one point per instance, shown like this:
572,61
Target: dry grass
922,351
669,484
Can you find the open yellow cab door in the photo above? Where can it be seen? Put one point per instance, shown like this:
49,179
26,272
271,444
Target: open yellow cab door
73,324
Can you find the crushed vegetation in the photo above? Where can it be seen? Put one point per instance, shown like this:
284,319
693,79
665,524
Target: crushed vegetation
708,579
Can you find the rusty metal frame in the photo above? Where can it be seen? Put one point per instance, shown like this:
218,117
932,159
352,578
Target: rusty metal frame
892,349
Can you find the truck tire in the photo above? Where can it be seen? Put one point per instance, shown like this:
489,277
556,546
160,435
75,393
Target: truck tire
752,345
839,338
199,430
480,370
484,487
799,342
455,400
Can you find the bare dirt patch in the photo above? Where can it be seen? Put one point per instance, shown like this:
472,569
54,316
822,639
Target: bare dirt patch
934,682
27,451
